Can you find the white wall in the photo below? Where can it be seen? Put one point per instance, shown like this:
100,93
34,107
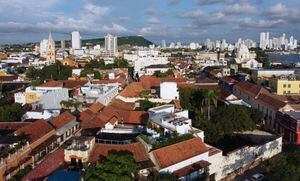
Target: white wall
168,90
221,166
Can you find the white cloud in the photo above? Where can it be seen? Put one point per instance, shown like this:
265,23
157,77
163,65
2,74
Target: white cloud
248,22
153,20
240,9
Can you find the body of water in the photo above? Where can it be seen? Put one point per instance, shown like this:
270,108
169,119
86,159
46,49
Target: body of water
284,58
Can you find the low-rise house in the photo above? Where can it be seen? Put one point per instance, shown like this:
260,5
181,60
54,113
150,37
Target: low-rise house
269,73
259,98
36,134
288,125
65,125
46,96
286,85
137,150
79,149
92,93
168,120
150,70
252,64
187,159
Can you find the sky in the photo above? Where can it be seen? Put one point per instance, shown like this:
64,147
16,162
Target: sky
23,21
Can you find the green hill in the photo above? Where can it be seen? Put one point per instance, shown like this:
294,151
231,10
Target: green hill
126,40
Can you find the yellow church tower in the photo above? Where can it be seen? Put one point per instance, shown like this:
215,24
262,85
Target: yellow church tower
50,50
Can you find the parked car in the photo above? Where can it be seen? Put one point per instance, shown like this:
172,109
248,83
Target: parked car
258,177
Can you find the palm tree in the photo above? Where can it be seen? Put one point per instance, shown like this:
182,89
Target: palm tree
210,97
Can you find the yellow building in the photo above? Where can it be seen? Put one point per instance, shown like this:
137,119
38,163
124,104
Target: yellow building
69,62
2,73
31,97
284,86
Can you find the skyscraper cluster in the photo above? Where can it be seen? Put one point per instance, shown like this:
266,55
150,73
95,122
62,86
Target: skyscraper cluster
248,42
277,43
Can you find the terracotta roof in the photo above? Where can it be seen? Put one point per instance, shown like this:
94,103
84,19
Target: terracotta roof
52,84
136,149
3,56
271,101
179,152
121,80
96,107
251,89
8,77
125,116
191,168
86,115
70,84
149,82
229,80
123,105
62,120
132,90
35,130
51,163
12,126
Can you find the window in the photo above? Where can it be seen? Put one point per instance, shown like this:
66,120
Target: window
284,85
289,85
288,92
292,137
284,92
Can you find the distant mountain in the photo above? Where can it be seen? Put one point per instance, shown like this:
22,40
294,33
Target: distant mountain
126,40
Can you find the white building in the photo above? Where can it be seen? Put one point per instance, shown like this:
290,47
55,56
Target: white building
142,62
150,70
92,93
43,47
111,45
170,120
76,40
168,90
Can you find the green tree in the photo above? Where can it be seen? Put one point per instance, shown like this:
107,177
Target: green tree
283,168
166,176
210,98
114,168
228,120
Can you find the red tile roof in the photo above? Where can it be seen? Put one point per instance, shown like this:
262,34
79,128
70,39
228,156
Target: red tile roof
148,82
153,82
62,120
86,115
96,107
35,130
71,84
123,105
125,116
179,152
136,149
229,80
251,89
133,90
8,77
271,101
52,84
51,163
12,126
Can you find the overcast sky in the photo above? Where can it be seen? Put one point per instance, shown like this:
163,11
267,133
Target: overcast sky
172,20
